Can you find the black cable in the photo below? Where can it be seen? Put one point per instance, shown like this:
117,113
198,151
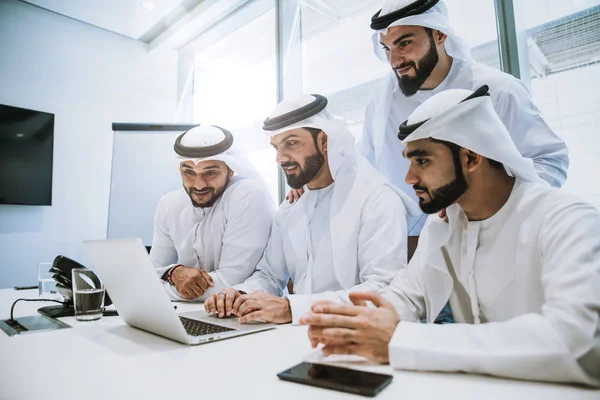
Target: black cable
18,300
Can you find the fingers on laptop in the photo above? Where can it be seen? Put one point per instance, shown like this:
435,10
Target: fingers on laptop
210,304
224,302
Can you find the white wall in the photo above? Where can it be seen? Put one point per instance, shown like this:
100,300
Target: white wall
570,102
88,78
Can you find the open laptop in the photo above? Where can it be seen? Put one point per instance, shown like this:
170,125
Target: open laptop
136,290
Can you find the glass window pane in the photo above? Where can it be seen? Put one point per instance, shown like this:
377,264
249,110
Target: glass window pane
235,86
562,52
337,53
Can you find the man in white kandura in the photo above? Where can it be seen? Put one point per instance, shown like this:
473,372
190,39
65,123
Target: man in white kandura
348,232
428,57
210,234
519,262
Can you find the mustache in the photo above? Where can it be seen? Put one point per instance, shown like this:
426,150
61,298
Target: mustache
422,188
404,65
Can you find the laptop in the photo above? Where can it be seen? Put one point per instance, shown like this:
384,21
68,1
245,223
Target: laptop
137,292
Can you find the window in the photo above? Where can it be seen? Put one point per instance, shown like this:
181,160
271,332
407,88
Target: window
562,53
326,48
235,83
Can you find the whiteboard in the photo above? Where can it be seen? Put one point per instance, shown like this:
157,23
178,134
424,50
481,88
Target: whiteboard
143,169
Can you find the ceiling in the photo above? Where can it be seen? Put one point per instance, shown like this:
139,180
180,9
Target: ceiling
125,17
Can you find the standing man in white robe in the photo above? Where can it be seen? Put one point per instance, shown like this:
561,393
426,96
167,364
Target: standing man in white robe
348,231
210,234
518,261
428,57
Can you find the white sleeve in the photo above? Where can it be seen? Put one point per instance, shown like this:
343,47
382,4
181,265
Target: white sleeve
532,135
382,251
249,218
163,253
560,344
271,273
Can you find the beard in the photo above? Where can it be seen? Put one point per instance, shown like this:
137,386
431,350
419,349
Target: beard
446,195
411,85
312,165
216,194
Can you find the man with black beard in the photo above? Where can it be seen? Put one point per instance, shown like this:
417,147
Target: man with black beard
347,232
428,57
518,261
210,234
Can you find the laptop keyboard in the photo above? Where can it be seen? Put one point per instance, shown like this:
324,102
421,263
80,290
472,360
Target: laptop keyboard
198,328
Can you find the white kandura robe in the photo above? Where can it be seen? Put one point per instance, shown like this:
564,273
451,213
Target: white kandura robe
526,293
227,240
300,247
388,108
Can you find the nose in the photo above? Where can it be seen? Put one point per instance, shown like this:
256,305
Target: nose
199,182
281,157
396,58
411,177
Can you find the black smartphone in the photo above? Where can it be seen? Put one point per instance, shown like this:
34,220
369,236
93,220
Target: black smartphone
337,378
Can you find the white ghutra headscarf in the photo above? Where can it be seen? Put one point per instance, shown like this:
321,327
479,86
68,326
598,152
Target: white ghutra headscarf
468,119
436,17
207,142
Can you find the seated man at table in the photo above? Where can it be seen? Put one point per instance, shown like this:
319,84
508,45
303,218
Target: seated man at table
348,231
518,261
210,234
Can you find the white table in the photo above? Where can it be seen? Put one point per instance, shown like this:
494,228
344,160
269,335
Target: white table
110,360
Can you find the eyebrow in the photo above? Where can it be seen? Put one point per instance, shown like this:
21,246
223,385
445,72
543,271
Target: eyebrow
416,153
401,38
214,166
398,40
286,138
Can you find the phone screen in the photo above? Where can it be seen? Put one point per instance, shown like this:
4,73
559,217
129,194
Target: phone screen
337,378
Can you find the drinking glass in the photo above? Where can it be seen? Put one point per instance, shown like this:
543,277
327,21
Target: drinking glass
88,295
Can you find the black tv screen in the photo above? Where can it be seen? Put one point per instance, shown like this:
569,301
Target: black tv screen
26,143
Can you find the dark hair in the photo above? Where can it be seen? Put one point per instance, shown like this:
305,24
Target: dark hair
455,150
495,164
429,32
315,133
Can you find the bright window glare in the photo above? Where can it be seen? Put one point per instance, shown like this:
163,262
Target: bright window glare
563,54
235,87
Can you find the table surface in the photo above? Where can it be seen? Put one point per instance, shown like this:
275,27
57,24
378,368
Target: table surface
108,359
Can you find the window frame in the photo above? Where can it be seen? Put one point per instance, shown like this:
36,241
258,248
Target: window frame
289,49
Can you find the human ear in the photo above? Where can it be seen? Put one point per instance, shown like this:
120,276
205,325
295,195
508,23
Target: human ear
439,37
324,141
472,160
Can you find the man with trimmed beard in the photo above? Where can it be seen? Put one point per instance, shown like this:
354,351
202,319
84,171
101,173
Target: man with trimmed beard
428,57
347,232
210,234
518,261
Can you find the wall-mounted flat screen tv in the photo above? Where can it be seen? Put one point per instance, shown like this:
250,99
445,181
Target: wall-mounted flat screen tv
26,144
